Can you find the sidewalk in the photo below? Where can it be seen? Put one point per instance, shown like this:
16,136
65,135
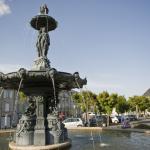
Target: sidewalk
115,128
140,122
127,129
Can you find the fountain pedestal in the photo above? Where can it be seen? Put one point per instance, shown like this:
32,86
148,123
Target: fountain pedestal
39,133
26,131
41,63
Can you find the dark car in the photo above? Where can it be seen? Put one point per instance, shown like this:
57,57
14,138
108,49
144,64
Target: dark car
131,117
93,122
120,118
101,120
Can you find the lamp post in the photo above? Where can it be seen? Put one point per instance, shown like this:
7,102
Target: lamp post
76,111
87,123
59,107
74,106
5,121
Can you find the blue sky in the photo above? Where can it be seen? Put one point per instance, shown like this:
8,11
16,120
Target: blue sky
107,41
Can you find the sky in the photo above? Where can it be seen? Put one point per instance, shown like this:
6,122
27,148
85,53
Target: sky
106,41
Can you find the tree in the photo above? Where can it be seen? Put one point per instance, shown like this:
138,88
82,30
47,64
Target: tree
22,96
91,99
134,103
139,103
122,105
20,102
100,108
85,100
78,99
144,103
108,102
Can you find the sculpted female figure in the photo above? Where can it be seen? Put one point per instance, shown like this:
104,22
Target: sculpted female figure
43,42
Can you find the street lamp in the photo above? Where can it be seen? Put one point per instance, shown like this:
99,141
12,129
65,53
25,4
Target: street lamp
74,114
59,107
5,121
86,116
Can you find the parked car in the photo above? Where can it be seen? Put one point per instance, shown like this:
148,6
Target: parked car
120,118
101,120
93,122
73,122
131,117
114,119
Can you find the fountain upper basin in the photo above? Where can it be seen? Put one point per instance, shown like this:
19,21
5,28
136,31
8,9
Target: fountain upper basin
41,21
36,82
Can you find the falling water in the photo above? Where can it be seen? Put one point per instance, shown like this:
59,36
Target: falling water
89,96
37,21
102,144
53,82
19,87
1,92
86,123
10,137
16,101
100,138
81,92
92,139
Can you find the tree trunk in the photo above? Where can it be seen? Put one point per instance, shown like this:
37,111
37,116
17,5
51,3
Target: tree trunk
108,120
137,112
144,115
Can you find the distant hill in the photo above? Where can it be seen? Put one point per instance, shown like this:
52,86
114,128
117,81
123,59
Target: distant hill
147,93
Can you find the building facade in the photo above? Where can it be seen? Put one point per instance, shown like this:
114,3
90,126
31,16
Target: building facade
11,108
8,110
66,105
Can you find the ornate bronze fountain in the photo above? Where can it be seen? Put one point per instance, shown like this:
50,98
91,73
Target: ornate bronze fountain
40,124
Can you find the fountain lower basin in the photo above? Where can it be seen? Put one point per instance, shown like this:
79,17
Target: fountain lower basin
110,140
60,146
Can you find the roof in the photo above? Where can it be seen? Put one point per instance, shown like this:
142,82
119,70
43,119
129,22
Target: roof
147,93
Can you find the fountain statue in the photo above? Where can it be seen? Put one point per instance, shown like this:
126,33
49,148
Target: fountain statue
40,124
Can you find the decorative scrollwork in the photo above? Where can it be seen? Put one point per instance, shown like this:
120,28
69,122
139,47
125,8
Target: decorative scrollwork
30,111
25,124
40,99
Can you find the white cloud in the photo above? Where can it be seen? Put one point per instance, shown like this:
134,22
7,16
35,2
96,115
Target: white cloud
6,68
4,8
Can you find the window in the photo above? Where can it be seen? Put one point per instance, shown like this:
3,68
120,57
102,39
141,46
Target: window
10,93
68,120
78,120
6,107
5,93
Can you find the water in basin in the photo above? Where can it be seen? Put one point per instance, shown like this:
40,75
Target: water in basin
105,140
109,140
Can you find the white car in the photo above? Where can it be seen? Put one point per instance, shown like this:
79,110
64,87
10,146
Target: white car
114,119
73,122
